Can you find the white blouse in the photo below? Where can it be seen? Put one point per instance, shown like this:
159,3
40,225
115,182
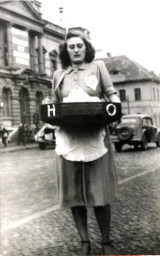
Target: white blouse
90,82
80,144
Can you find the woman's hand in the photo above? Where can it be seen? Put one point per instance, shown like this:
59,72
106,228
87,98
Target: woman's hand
47,100
114,98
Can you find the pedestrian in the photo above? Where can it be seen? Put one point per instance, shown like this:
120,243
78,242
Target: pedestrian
27,133
85,165
33,132
21,135
36,119
4,136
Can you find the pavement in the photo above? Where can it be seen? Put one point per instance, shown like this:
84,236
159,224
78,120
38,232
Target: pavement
43,229
12,147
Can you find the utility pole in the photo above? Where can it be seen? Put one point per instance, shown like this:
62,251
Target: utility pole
128,105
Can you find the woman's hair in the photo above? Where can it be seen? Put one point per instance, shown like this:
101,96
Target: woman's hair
63,53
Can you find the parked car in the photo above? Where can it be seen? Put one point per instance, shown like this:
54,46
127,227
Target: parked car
137,130
13,135
45,136
12,131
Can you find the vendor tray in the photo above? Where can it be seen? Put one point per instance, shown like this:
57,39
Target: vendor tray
81,113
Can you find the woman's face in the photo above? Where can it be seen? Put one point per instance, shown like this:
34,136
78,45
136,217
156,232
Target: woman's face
76,49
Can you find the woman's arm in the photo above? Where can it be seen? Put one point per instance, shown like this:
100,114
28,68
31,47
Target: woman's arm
54,98
114,98
106,83
55,95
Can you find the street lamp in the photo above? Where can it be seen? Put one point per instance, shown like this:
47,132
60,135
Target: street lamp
60,9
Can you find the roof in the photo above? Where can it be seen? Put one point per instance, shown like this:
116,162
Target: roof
136,115
25,9
123,69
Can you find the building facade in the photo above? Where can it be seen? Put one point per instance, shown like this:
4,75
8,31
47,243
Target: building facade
138,88
29,48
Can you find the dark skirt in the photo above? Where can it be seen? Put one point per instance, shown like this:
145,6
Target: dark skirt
87,183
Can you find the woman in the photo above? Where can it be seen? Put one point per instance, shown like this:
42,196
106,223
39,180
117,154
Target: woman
85,166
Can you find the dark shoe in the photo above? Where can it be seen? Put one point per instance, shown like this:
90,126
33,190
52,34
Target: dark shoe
107,248
85,248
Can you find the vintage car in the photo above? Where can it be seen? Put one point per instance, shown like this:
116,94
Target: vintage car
137,130
45,136
12,131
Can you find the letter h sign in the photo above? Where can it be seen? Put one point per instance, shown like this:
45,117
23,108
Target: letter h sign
51,110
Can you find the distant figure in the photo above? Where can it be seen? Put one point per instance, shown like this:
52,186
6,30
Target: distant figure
4,136
36,119
21,135
33,131
27,133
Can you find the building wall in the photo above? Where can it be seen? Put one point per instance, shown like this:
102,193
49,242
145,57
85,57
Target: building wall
2,57
150,99
50,45
20,47
15,86
25,63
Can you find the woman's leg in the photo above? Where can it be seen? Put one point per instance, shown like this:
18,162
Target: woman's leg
80,217
103,216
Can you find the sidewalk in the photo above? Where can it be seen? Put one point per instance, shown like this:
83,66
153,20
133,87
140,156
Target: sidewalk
11,147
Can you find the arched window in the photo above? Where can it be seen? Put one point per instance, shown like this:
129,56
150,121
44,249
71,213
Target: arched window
38,60
53,58
44,59
39,97
24,105
6,99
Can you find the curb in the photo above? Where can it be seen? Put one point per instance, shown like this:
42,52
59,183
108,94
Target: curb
17,148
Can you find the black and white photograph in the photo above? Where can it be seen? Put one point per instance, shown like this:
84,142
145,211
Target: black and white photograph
79,127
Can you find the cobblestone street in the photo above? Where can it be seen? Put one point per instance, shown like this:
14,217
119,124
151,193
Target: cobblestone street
32,225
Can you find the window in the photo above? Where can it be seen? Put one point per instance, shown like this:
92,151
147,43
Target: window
53,57
158,94
137,93
6,61
122,95
24,105
149,121
6,98
32,50
145,121
39,97
154,94
38,59
44,58
114,72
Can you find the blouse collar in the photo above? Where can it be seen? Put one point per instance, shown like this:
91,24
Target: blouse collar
82,67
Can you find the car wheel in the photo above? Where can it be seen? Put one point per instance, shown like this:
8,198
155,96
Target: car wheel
158,140
144,143
118,146
42,146
125,133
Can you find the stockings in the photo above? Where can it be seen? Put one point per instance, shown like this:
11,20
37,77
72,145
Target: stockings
103,216
80,217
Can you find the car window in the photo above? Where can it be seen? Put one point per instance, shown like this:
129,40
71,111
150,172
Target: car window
145,121
130,120
149,122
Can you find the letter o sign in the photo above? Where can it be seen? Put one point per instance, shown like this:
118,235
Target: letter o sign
111,109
